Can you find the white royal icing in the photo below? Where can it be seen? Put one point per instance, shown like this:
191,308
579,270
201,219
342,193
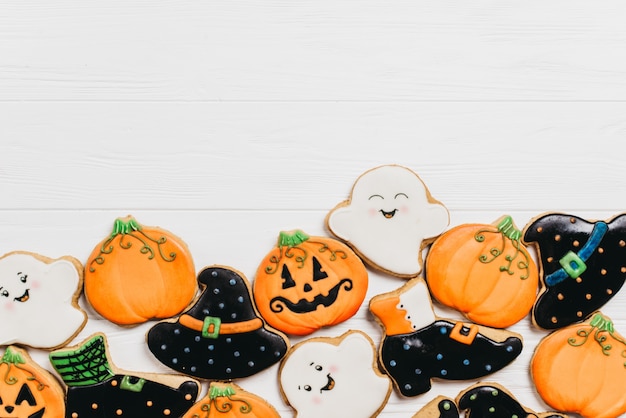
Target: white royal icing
322,379
417,304
387,218
36,301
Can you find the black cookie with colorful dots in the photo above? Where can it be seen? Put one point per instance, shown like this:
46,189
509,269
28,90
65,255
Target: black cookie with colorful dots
221,337
582,265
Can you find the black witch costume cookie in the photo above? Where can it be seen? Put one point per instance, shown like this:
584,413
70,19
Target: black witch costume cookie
440,407
487,400
97,390
418,346
221,336
582,264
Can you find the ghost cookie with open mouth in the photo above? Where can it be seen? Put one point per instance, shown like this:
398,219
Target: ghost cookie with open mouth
39,300
334,377
389,218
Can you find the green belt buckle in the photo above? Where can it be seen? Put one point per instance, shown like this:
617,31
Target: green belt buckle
573,265
211,327
132,387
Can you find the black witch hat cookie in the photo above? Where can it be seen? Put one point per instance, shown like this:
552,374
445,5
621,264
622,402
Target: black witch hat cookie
487,400
221,336
97,390
417,346
582,264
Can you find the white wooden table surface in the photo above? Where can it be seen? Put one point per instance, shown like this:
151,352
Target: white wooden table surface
228,121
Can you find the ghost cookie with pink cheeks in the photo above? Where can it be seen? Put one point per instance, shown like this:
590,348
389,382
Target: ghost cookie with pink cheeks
389,218
39,300
334,377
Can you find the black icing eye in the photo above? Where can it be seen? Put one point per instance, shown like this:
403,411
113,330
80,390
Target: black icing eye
23,278
287,279
401,195
307,388
318,368
375,195
25,395
318,273
5,293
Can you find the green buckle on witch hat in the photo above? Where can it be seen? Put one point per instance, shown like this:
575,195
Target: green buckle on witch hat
211,327
573,265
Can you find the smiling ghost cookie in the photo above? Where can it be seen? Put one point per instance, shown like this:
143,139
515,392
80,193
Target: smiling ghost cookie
221,336
417,346
389,218
582,266
39,300
306,283
96,389
334,377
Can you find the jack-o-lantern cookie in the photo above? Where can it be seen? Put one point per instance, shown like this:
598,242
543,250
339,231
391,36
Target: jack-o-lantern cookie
488,400
39,300
26,389
389,218
139,273
582,264
221,336
334,377
417,346
484,272
440,407
582,369
230,401
97,390
306,283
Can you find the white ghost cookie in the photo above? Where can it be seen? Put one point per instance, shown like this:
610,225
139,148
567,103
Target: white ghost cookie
39,300
389,218
334,377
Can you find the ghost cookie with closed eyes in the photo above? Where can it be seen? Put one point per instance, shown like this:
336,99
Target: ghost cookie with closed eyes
39,300
334,377
388,220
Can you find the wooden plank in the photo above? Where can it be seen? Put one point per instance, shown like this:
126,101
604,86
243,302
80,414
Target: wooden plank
313,51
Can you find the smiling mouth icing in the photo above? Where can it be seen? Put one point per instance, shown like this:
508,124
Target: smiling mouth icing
330,385
22,298
388,215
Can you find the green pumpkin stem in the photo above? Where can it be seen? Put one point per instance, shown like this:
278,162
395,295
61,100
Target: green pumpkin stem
292,238
219,392
125,226
507,227
12,357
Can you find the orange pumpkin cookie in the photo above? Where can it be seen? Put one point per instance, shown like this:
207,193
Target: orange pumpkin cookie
139,273
228,400
306,283
39,300
389,219
582,369
489,400
26,389
484,272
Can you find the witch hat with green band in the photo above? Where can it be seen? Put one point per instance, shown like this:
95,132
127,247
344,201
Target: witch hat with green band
84,366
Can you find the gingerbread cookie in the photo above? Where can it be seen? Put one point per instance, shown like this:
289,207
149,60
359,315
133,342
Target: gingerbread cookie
139,273
582,264
582,369
306,283
440,407
231,401
488,400
417,346
484,272
26,389
39,300
389,218
97,390
221,336
334,377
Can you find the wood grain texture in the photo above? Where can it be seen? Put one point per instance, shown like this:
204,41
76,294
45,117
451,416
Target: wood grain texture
228,121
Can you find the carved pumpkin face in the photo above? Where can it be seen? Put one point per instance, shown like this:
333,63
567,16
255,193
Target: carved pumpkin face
306,283
28,391
484,272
